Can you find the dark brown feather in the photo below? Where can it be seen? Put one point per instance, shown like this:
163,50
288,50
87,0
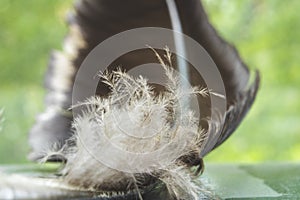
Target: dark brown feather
96,20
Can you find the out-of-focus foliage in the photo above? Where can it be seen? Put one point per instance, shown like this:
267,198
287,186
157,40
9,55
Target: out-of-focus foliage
266,33
28,31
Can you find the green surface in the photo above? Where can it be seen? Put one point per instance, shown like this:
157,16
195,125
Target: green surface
227,181
262,181
30,169
266,33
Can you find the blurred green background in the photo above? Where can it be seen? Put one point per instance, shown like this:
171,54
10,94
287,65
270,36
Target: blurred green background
266,33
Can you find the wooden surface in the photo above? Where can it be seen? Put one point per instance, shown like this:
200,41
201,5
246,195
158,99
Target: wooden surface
225,181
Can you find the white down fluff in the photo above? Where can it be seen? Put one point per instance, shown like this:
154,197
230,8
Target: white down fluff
125,140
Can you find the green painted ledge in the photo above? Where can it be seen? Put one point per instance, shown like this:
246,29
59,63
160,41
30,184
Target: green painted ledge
257,181
227,181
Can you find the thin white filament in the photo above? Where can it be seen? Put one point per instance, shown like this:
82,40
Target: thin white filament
179,45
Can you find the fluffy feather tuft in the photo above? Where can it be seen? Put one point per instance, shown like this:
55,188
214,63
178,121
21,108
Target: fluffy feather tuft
135,137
